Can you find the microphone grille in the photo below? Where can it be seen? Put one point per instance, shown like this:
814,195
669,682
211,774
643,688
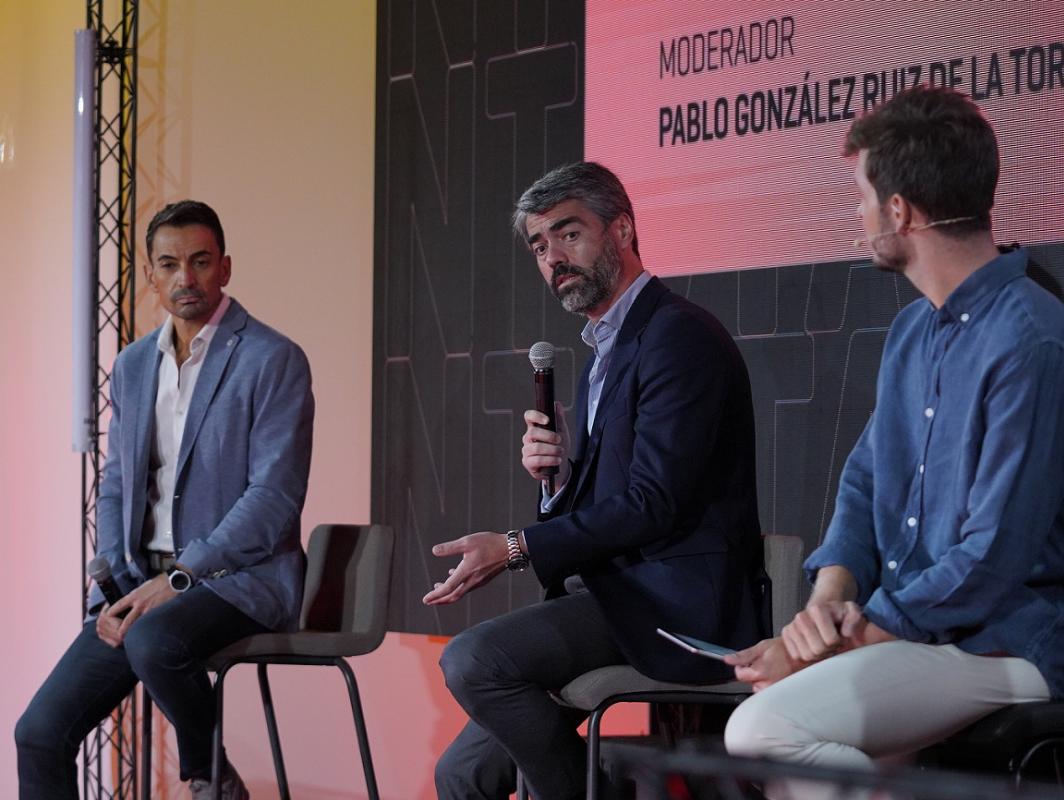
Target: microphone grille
541,354
98,569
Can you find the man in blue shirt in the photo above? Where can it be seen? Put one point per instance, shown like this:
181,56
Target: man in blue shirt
939,587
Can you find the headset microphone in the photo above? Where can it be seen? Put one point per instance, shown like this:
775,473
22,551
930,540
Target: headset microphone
862,242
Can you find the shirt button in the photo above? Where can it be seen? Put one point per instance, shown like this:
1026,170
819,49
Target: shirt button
921,469
965,316
892,565
911,522
929,412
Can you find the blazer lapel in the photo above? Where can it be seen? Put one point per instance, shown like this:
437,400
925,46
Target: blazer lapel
223,344
578,431
137,451
624,352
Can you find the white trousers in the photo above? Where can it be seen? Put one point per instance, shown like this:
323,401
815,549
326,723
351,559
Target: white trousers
882,700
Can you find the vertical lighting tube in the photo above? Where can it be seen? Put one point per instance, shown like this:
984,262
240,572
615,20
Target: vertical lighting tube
84,240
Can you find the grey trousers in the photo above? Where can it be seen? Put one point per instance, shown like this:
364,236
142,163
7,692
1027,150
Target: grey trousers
501,672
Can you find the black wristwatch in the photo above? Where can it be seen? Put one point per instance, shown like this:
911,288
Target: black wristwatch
516,561
180,581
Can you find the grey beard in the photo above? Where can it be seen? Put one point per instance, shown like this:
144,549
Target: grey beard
598,283
586,294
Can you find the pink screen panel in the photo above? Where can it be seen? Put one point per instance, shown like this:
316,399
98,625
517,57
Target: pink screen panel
726,120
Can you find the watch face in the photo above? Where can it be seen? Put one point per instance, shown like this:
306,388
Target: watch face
180,581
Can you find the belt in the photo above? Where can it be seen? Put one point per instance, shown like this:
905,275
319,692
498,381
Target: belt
160,561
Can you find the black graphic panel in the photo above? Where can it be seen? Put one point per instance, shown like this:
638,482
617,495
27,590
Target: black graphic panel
475,101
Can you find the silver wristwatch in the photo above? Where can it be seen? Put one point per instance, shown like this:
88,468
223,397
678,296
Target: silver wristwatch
516,561
180,581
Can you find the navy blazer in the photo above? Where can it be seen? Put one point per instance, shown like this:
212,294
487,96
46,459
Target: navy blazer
242,469
659,516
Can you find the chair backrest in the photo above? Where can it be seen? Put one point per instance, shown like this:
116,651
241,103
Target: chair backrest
348,574
783,563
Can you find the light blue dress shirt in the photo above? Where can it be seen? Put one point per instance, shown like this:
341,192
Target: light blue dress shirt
950,510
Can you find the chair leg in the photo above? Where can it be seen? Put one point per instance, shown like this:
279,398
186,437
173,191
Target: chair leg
1055,747
216,744
271,728
594,723
145,744
360,728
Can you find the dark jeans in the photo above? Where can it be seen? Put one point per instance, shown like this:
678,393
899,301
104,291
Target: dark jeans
165,649
501,671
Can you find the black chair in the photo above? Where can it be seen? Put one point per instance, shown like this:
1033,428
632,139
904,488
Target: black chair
1025,740
597,691
344,610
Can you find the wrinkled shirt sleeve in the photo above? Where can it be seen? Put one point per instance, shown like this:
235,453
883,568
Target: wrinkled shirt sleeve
850,541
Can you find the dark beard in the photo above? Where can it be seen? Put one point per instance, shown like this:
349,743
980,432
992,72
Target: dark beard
891,260
592,285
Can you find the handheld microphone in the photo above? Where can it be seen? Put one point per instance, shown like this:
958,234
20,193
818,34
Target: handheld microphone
100,571
541,354
862,242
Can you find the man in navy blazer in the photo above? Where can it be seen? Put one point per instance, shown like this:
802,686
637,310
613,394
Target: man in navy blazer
198,512
655,511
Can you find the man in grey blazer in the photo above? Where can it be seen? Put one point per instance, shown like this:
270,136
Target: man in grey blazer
198,512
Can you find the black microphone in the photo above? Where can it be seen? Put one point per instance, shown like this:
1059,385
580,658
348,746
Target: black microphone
100,571
541,354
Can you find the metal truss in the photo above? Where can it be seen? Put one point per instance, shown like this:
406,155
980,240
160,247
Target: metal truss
110,752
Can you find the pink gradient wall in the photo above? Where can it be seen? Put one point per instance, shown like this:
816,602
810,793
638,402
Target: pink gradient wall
266,111
39,476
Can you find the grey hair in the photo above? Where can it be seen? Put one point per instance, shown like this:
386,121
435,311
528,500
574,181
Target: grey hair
591,183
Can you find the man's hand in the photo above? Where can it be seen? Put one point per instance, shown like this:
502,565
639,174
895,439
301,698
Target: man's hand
763,664
484,555
824,629
111,627
816,631
542,448
107,626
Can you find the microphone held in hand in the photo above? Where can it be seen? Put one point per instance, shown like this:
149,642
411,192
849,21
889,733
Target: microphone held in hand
541,354
100,571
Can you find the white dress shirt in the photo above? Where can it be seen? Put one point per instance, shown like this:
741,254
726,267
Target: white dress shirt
176,385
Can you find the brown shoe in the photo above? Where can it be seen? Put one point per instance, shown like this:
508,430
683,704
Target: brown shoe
233,787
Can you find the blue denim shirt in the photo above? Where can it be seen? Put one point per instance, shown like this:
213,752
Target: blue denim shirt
950,511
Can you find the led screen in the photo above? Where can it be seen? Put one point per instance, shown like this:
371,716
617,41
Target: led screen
726,120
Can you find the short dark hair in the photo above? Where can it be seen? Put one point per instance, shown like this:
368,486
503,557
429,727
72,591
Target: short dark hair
932,146
587,181
182,214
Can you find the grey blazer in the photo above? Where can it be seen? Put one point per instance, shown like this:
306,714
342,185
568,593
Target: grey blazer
241,475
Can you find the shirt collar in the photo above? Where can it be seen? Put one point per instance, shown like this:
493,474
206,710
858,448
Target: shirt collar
610,322
985,281
201,339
